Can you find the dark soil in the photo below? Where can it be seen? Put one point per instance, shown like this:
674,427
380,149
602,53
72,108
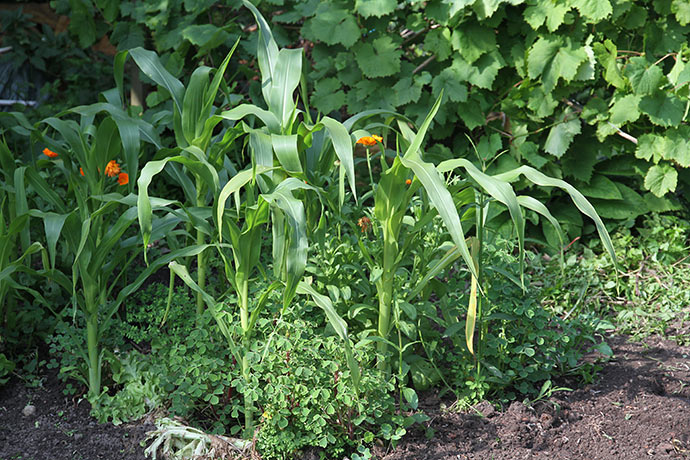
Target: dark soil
638,409
61,427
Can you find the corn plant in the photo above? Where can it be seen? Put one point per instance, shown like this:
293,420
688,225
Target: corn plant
95,218
408,174
198,162
239,232
16,248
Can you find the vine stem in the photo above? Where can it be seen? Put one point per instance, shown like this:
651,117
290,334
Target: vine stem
424,64
667,55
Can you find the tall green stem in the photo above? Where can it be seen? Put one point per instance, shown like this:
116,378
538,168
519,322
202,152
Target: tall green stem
480,277
385,291
92,341
243,293
201,257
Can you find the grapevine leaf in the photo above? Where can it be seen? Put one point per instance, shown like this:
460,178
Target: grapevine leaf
541,53
553,58
82,24
486,70
681,8
205,35
580,162
530,152
675,72
680,74
457,5
644,78
378,8
407,90
605,129
606,53
586,69
561,136
438,41
541,102
663,109
449,82
540,12
650,147
486,8
625,110
661,179
470,112
332,25
677,146
636,17
488,146
602,187
593,10
328,95
380,58
473,40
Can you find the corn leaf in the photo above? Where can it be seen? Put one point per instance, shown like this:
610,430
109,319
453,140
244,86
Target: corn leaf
578,199
435,187
501,191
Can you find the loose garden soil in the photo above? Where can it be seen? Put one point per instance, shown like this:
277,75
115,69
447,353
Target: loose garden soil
638,408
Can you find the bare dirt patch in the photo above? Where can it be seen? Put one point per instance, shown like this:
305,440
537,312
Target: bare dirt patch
60,427
639,408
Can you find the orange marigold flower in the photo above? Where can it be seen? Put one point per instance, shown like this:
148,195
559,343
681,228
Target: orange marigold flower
408,181
49,153
364,223
123,179
369,140
81,171
112,169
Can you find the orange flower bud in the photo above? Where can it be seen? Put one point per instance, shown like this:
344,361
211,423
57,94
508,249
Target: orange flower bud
81,171
408,181
49,153
369,140
123,179
364,223
112,169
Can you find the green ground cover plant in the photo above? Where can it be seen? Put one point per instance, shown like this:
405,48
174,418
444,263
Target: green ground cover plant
652,295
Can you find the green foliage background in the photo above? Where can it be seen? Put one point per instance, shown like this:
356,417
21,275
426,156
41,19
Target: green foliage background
595,92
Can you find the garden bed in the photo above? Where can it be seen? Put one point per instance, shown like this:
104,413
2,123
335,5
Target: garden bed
638,407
